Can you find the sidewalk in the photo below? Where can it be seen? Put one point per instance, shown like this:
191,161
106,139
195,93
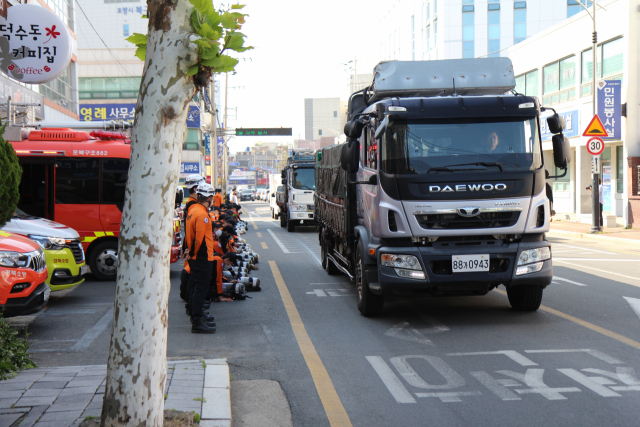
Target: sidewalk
617,236
65,396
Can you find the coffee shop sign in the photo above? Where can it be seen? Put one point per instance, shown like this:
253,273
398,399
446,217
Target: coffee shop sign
35,45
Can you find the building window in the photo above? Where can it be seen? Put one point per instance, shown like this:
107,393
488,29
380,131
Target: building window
335,114
493,33
428,38
319,132
519,21
63,9
60,90
435,33
435,8
413,39
609,57
428,14
619,169
573,7
559,81
125,30
562,184
108,87
527,84
468,36
192,142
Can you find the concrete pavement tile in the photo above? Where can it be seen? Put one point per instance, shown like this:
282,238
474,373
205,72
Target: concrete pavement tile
187,383
217,376
217,405
81,383
38,392
6,420
24,377
77,390
100,389
16,386
9,394
92,373
179,390
48,384
91,412
215,423
183,405
54,378
7,403
188,376
12,410
62,418
34,414
35,401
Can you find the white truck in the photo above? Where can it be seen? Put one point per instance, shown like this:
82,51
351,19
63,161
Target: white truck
297,206
275,181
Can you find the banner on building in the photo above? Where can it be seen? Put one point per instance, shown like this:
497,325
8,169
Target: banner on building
609,107
187,168
207,144
572,125
193,117
606,188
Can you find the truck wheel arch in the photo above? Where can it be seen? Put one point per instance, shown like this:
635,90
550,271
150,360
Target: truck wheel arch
362,236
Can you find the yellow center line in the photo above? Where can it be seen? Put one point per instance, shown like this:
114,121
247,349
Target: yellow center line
595,328
254,225
259,234
264,245
331,402
602,271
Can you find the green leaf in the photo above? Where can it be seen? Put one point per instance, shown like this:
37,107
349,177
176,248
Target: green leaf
137,39
193,70
221,64
228,20
243,49
237,6
196,20
144,17
203,6
234,42
141,52
206,32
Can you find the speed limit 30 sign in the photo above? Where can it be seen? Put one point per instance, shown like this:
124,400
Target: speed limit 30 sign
595,146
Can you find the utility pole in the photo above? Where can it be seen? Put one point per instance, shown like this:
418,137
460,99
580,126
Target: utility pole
225,151
213,152
595,186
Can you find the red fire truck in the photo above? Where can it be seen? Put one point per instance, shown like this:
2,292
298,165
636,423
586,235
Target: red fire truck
78,179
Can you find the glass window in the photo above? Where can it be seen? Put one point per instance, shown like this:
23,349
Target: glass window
493,32
63,9
435,8
619,169
494,48
304,178
60,90
193,135
527,84
114,181
612,58
519,22
428,15
468,35
77,181
562,184
413,43
467,1
494,6
428,38
125,30
551,82
568,73
435,33
109,87
573,7
467,8
520,84
468,50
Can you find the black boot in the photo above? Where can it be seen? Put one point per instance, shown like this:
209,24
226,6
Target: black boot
202,327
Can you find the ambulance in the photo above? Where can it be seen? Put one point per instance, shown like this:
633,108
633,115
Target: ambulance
22,276
78,179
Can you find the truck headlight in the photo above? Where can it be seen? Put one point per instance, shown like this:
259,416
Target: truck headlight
531,256
401,261
50,243
13,259
298,207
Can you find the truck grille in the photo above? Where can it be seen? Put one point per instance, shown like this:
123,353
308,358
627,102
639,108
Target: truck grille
453,221
76,250
37,261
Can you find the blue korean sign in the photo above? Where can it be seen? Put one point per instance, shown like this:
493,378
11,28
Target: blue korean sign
609,108
98,112
207,144
193,117
572,127
189,168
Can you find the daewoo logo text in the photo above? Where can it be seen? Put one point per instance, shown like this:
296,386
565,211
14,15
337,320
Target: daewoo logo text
466,187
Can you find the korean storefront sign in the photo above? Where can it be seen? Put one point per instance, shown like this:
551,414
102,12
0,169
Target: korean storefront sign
609,107
96,112
207,144
572,126
188,168
193,117
35,46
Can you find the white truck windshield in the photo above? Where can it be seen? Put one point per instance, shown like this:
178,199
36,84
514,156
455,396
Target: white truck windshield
420,146
304,178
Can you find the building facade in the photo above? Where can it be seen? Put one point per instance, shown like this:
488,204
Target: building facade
556,66
324,117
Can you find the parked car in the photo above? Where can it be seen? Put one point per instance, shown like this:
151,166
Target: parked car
23,271
61,244
246,195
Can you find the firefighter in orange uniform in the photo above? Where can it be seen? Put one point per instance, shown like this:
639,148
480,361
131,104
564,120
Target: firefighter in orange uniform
200,243
217,199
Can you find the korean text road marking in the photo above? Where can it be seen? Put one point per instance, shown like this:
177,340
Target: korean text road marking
634,303
331,402
391,380
511,354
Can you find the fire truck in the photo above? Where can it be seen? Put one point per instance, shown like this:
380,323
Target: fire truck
78,178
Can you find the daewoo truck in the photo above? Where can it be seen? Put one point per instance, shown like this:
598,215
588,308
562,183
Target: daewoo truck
298,179
441,185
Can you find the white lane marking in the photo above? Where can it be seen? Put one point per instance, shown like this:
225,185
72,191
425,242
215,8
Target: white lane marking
595,353
409,334
511,354
279,243
582,249
390,380
634,303
568,281
496,386
589,383
93,333
317,258
450,396
318,292
435,326
602,271
340,292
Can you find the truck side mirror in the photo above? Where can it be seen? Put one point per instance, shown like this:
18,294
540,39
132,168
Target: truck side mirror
353,129
350,156
561,151
556,123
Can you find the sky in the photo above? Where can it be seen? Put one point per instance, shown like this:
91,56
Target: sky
300,49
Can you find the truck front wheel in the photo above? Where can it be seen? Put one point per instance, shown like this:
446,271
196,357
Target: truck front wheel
104,261
291,226
525,298
369,304
283,219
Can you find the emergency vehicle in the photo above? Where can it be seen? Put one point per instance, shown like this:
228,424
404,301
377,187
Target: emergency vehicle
22,276
78,179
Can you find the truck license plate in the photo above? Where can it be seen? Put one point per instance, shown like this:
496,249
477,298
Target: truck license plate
466,263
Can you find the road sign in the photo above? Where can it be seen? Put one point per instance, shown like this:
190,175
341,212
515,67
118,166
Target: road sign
595,146
609,107
595,128
595,164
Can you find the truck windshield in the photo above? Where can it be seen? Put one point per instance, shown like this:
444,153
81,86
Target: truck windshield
304,178
453,145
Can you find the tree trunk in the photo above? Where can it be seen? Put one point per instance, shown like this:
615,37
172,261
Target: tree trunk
137,366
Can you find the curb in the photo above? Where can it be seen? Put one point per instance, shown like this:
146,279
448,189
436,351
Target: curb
216,405
630,243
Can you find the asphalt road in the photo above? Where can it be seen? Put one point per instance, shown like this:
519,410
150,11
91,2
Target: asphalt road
464,361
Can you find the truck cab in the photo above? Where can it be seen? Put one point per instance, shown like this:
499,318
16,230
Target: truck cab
297,207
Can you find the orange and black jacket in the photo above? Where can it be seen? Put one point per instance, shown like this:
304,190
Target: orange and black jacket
199,233
217,200
190,202
219,263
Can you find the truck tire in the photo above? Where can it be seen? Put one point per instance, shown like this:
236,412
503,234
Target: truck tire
525,298
290,226
369,304
323,251
283,220
104,261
